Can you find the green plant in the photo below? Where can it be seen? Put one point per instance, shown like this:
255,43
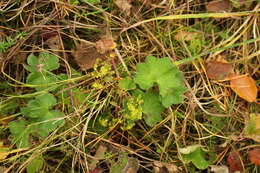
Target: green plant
41,119
153,74
196,155
39,116
40,69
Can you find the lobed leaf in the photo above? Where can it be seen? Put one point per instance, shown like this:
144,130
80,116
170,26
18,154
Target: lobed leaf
49,123
42,80
152,107
40,106
35,165
20,132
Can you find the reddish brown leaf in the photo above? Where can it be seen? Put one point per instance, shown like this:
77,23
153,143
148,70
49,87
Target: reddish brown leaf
244,86
219,6
218,70
235,164
254,156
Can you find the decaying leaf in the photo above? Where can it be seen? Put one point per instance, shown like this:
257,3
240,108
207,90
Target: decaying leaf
219,6
244,86
254,156
132,165
86,55
124,5
160,167
252,128
219,169
105,45
235,164
54,43
100,154
218,70
185,35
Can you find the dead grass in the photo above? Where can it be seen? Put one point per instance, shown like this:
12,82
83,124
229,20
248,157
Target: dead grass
211,115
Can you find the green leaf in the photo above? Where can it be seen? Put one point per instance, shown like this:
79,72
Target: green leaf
127,84
50,122
163,73
153,108
175,96
45,62
196,155
39,106
35,165
43,81
20,133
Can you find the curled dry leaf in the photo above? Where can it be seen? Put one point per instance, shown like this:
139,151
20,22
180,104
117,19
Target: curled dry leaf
244,86
124,5
235,164
218,70
219,6
254,156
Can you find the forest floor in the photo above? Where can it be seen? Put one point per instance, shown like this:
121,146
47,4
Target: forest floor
129,86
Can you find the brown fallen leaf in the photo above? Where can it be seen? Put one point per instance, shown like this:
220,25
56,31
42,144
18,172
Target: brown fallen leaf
254,156
86,55
234,162
219,6
105,45
244,86
124,5
132,165
54,43
218,70
160,167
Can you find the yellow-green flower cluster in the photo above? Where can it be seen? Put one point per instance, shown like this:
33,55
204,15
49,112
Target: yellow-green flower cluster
133,112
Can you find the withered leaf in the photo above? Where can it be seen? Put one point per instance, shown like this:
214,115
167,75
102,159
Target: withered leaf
132,165
86,55
105,45
254,156
124,5
219,6
160,167
244,86
218,70
235,164
54,43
